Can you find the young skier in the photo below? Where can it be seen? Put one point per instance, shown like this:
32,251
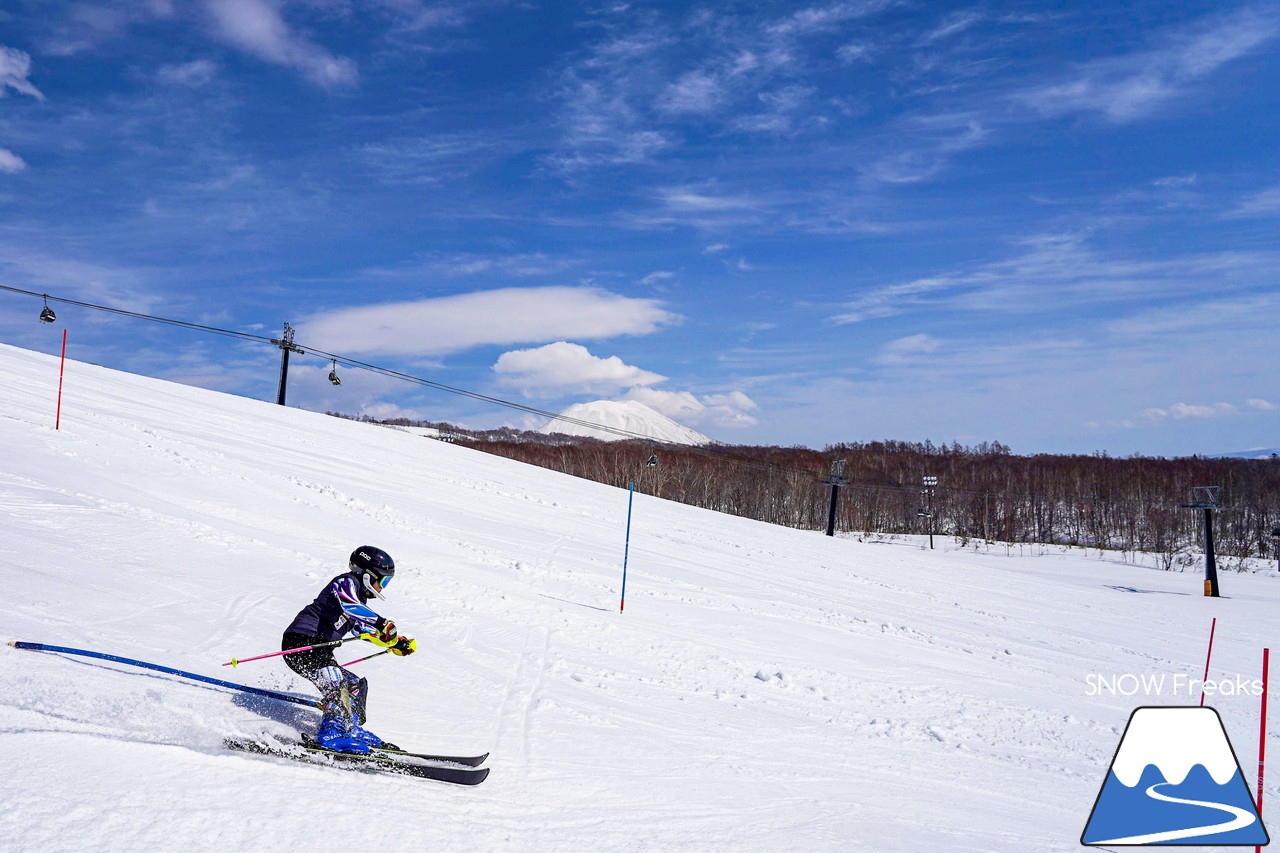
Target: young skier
341,610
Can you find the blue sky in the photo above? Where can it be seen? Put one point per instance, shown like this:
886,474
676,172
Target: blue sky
1052,225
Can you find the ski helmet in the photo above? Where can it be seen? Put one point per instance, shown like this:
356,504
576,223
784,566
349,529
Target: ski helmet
374,567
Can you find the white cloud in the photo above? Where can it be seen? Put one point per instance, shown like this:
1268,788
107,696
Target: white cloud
718,410
908,350
1164,295
936,139
657,276
854,52
1176,180
956,22
1197,411
819,19
190,74
1131,87
10,163
433,327
15,68
88,24
1262,203
695,92
785,111
1181,411
564,368
523,265
257,27
696,199
891,300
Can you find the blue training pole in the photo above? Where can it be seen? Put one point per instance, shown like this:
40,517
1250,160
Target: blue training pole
626,550
284,697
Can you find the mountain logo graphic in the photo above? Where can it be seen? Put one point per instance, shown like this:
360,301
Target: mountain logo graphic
1175,780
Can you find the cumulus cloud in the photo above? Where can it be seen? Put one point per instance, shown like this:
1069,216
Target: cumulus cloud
514,315
562,368
565,368
716,410
257,27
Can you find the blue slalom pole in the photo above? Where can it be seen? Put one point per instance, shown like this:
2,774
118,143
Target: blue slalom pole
258,691
631,496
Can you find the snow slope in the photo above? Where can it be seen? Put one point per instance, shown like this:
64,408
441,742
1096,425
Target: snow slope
630,415
766,689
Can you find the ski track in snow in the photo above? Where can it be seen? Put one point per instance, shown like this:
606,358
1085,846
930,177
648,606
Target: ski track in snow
766,689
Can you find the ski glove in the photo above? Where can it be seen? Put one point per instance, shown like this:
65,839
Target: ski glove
384,635
404,646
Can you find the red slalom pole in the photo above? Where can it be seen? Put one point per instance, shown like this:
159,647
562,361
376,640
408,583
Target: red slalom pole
1212,628
57,419
1262,734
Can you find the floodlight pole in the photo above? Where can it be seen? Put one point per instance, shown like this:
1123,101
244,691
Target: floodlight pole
286,346
836,480
929,484
1275,536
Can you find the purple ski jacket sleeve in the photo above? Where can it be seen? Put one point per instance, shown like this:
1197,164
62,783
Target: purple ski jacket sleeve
336,612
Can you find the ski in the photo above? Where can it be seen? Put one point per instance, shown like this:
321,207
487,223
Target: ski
466,760
307,750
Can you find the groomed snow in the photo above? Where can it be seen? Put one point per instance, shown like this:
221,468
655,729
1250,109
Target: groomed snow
766,689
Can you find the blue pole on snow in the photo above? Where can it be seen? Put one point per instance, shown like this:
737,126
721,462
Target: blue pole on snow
258,691
631,496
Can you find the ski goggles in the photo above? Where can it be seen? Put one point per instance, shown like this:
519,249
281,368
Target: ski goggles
382,582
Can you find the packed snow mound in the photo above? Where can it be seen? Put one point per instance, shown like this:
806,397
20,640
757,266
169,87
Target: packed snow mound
631,416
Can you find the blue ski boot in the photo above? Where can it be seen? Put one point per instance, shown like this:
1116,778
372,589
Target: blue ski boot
365,736
338,726
333,734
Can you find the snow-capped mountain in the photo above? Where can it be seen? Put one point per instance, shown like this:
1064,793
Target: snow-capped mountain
1255,453
629,416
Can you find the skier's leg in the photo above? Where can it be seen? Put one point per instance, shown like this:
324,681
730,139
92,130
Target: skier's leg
338,729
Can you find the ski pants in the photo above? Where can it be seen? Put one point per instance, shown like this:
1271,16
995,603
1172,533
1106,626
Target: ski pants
320,668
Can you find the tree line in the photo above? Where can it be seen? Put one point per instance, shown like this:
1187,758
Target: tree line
983,492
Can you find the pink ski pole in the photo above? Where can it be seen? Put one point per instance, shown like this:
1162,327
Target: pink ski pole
236,662
374,655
